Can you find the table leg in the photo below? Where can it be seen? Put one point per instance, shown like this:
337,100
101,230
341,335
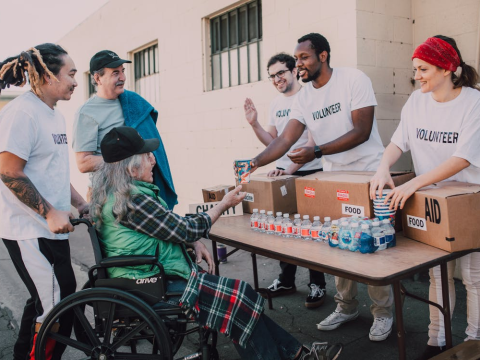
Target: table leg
255,281
446,305
399,319
215,257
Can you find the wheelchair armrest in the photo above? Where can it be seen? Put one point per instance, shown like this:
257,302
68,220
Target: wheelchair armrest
129,260
126,260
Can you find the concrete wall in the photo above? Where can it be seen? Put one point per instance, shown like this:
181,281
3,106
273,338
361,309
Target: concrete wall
204,131
385,45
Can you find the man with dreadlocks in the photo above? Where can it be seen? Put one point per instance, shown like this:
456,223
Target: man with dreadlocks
35,191
114,106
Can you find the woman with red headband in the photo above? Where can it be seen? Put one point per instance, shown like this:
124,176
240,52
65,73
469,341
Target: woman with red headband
440,125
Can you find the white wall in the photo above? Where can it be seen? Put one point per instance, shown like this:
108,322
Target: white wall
385,45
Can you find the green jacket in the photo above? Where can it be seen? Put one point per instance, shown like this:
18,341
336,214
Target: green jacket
117,239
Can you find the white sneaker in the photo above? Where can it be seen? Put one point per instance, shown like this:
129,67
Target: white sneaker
335,319
381,328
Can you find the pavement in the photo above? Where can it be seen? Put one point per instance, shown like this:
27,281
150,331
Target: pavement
289,311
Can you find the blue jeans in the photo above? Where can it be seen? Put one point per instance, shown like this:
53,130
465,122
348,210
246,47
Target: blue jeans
268,341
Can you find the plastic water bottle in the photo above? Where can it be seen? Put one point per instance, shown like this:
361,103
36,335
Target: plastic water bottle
269,223
278,224
316,229
390,237
356,234
344,236
333,234
287,226
366,240
261,221
254,220
305,228
324,235
378,234
296,226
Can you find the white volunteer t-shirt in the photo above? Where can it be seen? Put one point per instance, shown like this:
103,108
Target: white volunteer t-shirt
280,109
327,113
434,132
34,132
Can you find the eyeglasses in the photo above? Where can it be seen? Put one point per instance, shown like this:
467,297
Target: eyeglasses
280,75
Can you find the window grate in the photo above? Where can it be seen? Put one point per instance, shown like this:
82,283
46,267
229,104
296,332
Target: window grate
236,38
146,70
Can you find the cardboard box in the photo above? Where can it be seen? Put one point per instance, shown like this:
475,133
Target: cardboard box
445,215
216,193
340,193
270,193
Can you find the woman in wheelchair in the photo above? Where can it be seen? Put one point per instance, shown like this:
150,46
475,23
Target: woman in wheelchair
132,219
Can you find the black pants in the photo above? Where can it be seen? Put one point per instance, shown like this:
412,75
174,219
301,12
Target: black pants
57,255
287,276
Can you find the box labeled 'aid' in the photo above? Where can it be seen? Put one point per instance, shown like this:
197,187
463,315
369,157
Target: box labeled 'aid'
444,215
270,193
340,193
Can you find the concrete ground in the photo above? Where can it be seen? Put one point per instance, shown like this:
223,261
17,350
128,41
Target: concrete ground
289,311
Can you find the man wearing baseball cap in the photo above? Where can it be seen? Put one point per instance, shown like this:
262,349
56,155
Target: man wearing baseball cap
113,106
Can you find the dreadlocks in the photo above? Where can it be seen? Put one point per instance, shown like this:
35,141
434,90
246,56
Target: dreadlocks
44,59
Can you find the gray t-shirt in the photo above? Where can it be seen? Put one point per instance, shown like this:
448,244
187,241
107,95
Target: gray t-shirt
93,120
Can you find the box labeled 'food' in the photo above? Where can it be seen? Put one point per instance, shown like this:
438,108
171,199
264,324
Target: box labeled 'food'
340,193
216,193
270,193
444,215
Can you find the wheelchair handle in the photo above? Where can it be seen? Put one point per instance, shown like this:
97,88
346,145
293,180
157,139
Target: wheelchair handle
76,222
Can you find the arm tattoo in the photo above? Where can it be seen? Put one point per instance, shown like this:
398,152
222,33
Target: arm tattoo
27,193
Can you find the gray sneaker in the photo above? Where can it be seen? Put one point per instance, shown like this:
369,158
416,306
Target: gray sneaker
321,351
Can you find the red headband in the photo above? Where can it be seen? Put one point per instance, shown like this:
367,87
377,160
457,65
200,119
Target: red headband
438,52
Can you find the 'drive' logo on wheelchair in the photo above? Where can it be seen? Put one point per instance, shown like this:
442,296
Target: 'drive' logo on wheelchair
151,280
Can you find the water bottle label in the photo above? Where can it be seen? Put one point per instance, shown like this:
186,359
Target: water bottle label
379,240
346,238
261,225
358,235
315,234
388,238
278,228
271,227
288,230
305,232
334,238
296,230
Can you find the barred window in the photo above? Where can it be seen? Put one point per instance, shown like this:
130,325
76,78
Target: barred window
147,77
236,38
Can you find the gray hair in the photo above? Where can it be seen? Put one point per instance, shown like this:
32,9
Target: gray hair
100,72
114,179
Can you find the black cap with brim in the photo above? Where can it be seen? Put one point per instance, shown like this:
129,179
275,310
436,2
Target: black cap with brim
105,59
122,142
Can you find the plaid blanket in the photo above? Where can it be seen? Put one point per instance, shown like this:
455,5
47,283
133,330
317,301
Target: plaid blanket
231,307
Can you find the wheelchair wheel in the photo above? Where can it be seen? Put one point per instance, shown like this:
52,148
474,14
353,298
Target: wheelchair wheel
110,324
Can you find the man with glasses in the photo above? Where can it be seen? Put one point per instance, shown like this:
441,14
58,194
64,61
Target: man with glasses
283,75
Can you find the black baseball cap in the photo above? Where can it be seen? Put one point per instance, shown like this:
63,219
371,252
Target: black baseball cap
105,59
124,141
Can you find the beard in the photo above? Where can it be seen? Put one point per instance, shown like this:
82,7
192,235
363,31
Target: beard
312,77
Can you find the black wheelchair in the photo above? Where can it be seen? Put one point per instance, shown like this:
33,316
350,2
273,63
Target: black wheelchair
123,319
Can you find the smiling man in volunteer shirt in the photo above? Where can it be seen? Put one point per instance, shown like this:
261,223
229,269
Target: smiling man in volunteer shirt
113,106
337,107
283,75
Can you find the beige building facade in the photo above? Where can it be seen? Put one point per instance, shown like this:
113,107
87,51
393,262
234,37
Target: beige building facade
197,60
